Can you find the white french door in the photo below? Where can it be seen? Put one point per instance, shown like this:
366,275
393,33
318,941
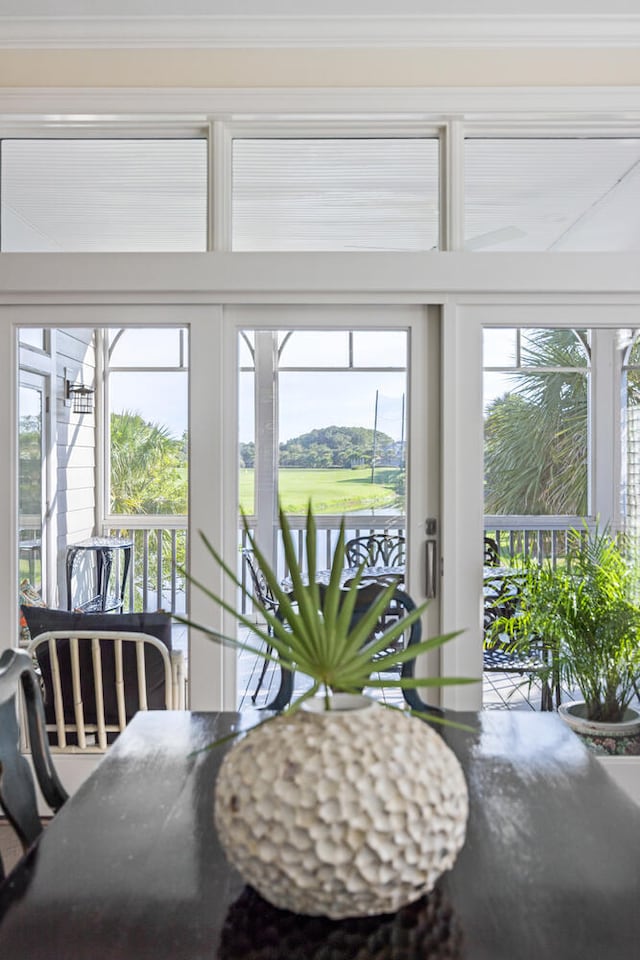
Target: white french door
309,374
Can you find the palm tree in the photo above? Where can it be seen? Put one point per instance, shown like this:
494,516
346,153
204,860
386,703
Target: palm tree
536,436
148,476
148,469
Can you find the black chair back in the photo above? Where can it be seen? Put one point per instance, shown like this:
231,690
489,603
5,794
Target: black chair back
401,604
261,591
17,789
375,550
491,552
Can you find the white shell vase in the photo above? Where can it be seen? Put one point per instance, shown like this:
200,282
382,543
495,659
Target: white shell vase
342,813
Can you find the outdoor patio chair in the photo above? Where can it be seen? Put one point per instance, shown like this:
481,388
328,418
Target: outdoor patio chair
401,604
375,550
264,600
491,552
17,790
500,656
97,671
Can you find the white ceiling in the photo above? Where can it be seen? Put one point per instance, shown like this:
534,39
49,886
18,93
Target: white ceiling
325,8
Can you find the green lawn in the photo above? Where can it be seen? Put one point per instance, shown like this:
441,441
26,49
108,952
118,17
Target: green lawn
330,491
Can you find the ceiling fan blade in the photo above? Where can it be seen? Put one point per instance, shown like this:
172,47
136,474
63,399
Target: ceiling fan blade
503,235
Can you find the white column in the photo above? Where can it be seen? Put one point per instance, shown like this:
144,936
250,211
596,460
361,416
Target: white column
605,427
266,440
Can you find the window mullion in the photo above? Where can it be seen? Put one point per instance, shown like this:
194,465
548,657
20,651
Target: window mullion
452,186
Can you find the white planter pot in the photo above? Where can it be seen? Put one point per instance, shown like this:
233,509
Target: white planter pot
574,714
341,813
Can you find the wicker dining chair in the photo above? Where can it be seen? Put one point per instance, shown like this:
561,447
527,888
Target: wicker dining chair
96,680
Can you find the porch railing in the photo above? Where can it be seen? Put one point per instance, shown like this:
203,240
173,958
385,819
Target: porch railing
155,580
328,528
537,537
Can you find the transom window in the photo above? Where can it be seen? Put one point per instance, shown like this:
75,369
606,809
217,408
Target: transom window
103,195
552,194
336,194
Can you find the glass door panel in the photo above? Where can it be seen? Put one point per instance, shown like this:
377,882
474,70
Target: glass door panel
322,420
31,492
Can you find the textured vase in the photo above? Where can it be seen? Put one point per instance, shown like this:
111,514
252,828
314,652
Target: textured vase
341,813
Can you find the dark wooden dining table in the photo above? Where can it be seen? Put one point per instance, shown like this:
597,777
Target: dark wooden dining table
131,868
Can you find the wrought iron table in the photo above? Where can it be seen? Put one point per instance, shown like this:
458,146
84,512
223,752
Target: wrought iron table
131,866
103,547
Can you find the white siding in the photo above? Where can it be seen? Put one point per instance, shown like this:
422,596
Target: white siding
75,442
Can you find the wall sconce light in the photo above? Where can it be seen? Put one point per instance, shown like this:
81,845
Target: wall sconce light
79,396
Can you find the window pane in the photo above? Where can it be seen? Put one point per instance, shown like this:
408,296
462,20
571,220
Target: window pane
554,348
32,337
247,441
536,430
148,423
499,347
102,195
379,349
340,194
30,479
246,347
552,194
316,349
147,348
631,448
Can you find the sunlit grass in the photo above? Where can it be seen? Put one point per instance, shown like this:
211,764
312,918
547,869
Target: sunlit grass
330,491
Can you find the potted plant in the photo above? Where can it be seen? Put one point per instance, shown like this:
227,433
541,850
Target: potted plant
336,806
584,613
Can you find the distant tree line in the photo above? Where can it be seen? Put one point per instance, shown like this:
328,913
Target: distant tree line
344,447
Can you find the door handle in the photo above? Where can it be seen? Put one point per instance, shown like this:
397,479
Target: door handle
431,559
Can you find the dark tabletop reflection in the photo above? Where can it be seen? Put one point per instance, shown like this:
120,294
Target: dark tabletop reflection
425,930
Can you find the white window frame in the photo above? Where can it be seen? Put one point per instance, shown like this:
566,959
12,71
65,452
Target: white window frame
105,517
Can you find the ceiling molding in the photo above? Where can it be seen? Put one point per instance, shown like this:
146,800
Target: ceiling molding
320,32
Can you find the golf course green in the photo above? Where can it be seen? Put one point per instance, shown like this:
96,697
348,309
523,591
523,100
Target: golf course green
330,491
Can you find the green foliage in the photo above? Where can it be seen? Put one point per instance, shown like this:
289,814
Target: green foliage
149,477
30,455
315,631
148,468
585,613
336,447
247,454
331,491
536,436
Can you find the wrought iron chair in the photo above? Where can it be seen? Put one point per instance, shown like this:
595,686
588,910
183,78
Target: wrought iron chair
263,599
17,790
401,604
535,660
491,552
375,550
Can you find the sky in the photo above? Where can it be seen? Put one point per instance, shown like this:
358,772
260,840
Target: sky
329,401
308,400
